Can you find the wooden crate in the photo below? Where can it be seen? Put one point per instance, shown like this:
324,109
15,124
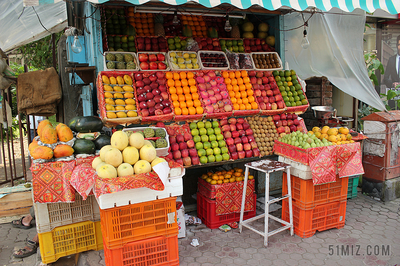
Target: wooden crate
16,203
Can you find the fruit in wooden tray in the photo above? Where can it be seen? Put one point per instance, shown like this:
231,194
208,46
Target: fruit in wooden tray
151,44
264,133
120,61
304,140
209,141
213,60
184,60
257,45
334,135
286,123
266,61
152,61
240,90
184,94
290,88
239,138
208,44
213,92
266,90
152,94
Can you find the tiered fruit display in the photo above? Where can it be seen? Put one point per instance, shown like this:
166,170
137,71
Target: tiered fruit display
304,140
184,95
152,61
143,23
152,94
151,44
213,60
196,24
50,141
265,133
184,60
127,155
236,46
119,96
334,135
120,61
290,88
209,44
115,21
183,149
240,90
286,123
225,176
256,45
266,90
239,138
266,61
177,43
213,93
209,141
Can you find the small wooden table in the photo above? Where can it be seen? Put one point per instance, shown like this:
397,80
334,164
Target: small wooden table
267,166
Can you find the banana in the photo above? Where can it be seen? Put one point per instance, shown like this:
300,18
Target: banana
120,80
113,80
127,88
105,79
128,80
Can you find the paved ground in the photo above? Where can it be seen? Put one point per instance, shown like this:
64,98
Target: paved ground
370,234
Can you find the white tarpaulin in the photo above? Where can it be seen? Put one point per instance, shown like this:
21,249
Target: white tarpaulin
21,25
335,51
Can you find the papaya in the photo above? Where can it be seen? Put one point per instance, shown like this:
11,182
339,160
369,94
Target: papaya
41,152
63,150
48,135
187,31
130,30
64,133
33,144
212,32
41,125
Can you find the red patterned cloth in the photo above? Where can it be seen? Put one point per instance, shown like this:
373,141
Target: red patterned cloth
105,186
51,182
82,179
88,160
326,162
228,196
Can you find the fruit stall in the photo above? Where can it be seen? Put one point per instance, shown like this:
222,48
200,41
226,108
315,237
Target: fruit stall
186,103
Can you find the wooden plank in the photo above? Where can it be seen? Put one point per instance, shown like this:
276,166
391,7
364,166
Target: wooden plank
16,203
14,212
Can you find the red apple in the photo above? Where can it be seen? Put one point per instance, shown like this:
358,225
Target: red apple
143,58
242,154
192,152
230,141
276,117
187,136
246,125
195,160
185,153
152,57
256,152
245,139
232,148
232,127
274,106
227,134
160,57
226,128
177,154
153,66
239,126
253,144
249,153
232,120
187,161
249,132
280,105
174,146
179,161
190,143
180,138
239,147
235,134
234,155
278,123
293,128
238,140
162,65
183,146
144,65
296,122
223,122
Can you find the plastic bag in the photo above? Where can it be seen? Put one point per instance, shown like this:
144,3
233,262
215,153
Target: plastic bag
192,45
233,59
245,61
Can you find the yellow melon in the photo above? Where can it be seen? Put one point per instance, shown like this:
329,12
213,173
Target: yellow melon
332,131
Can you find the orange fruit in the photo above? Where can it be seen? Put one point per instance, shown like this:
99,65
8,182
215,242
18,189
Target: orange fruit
242,106
195,96
254,105
176,76
228,81
225,74
179,90
199,110
229,87
238,95
192,82
246,80
238,74
236,88
190,75
186,90
185,111
234,82
236,106
248,106
233,100
239,81
193,89
174,97
243,94
175,104
251,99
178,83
172,90
192,110
169,75
170,83
239,101
244,73
188,97
242,87
248,86
232,75
178,111
250,92
231,94
196,103
182,105
189,103
181,98
245,101
182,75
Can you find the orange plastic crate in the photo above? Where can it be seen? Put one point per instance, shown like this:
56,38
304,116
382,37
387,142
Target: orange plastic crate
320,218
206,211
308,196
156,251
125,224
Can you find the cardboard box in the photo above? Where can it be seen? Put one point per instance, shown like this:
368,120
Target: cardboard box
180,218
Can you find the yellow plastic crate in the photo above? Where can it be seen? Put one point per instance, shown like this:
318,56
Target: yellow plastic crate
70,239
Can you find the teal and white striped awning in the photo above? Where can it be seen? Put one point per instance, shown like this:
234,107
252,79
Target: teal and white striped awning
390,6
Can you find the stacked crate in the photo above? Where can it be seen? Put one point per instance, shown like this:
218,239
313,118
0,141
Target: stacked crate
353,184
141,234
68,228
315,208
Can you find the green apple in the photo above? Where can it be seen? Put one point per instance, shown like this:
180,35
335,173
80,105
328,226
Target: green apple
193,125
203,160
195,132
214,144
224,150
217,151
215,124
210,131
200,124
221,143
209,152
218,158
212,137
225,156
196,138
207,145
220,137
201,152
217,131
208,124
204,138
199,146
211,158
202,131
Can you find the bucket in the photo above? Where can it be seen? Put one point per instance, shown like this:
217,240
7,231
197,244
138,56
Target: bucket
324,112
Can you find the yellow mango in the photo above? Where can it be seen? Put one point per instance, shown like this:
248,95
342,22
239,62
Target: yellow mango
118,89
105,79
113,80
120,80
109,101
128,80
128,95
121,114
108,88
111,115
127,88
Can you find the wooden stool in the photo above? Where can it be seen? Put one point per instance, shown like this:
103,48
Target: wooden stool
267,166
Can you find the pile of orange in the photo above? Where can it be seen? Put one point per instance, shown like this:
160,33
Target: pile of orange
143,23
196,23
233,175
184,95
240,90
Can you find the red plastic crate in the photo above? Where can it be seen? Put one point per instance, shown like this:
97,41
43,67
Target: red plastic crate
308,196
156,251
320,218
207,213
125,224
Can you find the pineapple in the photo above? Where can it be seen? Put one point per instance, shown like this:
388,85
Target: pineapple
158,26
235,32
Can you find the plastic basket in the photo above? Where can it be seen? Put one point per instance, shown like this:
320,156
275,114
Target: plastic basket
309,196
51,215
70,239
206,211
320,218
165,61
352,188
127,69
213,68
173,67
157,251
122,225
267,53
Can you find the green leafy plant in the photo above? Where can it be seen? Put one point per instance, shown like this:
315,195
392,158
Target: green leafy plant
373,65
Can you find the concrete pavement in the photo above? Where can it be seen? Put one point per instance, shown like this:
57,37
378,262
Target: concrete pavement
370,237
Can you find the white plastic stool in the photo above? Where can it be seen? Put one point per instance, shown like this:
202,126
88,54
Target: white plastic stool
267,166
